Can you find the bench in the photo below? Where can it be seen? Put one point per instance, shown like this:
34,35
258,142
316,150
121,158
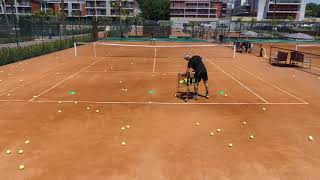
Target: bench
281,57
297,57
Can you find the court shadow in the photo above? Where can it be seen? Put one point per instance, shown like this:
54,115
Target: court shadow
187,96
282,65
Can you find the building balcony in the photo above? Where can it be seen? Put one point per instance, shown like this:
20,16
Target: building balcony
283,11
191,7
176,13
177,7
285,2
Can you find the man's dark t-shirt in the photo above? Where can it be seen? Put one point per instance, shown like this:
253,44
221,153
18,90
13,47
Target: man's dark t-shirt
196,64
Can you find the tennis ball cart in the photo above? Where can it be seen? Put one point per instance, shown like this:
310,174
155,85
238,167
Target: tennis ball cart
184,82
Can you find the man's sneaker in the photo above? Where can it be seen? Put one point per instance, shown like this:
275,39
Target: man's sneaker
195,97
207,95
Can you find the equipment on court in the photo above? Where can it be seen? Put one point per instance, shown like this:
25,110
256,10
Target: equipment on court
184,81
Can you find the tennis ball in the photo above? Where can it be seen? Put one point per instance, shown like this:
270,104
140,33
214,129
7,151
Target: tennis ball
8,151
225,95
211,134
264,109
20,80
310,138
123,128
197,124
218,130
8,94
97,111
76,102
59,102
244,123
20,151
251,137
123,143
59,111
120,81
88,108
0,80
35,96
27,141
21,167
230,145
128,126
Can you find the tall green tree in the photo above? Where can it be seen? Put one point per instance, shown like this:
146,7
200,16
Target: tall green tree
155,9
313,10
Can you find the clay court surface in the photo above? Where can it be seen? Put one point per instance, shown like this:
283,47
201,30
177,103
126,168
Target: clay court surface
72,109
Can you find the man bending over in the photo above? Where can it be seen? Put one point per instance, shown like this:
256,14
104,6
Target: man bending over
195,63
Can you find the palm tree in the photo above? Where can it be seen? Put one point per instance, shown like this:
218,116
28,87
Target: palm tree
138,20
122,12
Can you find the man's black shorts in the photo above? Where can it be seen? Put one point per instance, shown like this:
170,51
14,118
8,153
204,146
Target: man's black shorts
200,75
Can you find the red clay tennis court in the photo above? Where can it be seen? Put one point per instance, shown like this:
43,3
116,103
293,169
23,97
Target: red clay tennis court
110,112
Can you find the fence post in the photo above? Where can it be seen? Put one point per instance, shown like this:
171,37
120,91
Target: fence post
94,49
75,49
270,54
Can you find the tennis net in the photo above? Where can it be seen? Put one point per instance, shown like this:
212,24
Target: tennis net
99,49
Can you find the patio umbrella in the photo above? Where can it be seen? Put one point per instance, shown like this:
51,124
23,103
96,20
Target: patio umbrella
250,34
300,37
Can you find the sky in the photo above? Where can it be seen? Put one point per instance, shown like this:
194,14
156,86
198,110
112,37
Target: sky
314,1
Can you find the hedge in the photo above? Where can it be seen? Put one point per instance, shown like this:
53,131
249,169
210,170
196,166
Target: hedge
11,55
12,39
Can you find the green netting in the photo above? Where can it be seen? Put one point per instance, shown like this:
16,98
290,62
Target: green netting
279,41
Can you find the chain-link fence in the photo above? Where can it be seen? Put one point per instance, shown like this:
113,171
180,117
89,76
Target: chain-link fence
23,37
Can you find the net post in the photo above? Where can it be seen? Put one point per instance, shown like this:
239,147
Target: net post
94,49
234,51
75,49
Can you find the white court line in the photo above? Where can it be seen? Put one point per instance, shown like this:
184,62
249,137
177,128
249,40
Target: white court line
152,103
14,100
25,84
154,59
277,87
142,72
238,81
169,103
69,77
